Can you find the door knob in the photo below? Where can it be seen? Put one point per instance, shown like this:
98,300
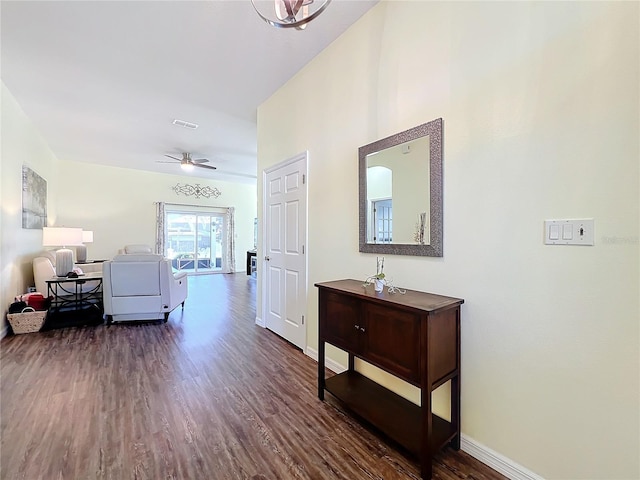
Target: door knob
267,258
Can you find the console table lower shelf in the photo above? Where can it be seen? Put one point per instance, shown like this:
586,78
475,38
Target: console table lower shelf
393,415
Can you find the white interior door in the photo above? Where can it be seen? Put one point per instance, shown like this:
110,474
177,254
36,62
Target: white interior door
285,272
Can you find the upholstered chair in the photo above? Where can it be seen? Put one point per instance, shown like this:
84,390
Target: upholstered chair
141,286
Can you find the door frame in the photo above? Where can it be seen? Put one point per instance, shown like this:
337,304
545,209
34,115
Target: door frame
304,156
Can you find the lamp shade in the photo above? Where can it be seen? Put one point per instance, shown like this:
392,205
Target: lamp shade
81,250
87,236
61,236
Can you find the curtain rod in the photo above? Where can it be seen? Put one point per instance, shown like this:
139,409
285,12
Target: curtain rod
189,205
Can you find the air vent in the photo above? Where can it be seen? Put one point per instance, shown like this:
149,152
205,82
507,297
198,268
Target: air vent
182,123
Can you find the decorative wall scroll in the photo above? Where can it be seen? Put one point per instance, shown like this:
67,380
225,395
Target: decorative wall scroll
34,199
196,190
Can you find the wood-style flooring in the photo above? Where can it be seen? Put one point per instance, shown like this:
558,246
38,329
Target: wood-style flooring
208,395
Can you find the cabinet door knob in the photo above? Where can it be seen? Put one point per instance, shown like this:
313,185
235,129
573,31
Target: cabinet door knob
362,329
357,327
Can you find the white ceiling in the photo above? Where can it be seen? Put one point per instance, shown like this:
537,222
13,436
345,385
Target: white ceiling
104,80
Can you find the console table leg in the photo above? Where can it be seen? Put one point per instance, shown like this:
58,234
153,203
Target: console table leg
321,369
427,430
426,471
455,411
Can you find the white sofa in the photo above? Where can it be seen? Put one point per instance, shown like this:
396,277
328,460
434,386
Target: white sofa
136,248
44,268
141,287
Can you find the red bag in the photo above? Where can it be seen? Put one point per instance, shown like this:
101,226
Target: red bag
37,301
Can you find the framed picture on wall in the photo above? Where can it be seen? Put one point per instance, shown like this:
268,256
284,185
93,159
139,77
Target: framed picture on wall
34,199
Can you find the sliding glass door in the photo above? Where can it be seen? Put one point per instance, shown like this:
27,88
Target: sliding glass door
195,241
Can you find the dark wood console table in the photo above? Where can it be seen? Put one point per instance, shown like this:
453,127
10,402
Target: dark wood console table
415,337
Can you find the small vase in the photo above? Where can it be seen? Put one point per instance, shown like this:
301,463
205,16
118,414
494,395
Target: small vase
379,285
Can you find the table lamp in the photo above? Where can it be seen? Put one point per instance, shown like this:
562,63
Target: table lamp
62,237
81,250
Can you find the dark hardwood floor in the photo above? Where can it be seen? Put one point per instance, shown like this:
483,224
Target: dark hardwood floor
208,395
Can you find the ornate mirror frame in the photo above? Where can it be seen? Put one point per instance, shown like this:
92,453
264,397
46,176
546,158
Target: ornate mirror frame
432,129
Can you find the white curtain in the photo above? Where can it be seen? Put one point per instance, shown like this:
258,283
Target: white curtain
229,254
160,235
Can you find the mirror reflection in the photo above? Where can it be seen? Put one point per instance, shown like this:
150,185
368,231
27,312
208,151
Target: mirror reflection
397,193
400,181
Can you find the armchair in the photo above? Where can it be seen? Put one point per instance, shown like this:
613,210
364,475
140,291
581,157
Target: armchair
141,287
44,268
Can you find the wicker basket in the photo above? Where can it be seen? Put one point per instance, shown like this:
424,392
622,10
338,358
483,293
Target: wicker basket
26,322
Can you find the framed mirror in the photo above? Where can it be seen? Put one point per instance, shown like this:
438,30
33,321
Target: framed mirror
400,190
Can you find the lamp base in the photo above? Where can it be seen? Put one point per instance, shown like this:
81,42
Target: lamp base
81,253
64,262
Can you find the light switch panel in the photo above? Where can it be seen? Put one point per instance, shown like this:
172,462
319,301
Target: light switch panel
569,232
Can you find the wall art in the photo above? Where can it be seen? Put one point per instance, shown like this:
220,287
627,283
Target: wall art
34,199
196,190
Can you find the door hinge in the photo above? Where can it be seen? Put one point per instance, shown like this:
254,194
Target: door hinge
303,319
304,178
303,249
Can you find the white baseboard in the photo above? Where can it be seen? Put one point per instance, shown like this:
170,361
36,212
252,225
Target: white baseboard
260,322
311,352
332,365
498,462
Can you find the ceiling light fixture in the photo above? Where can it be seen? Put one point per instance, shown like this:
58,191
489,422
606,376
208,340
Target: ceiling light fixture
186,166
289,13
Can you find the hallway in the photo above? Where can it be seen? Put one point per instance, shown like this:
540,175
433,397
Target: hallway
208,395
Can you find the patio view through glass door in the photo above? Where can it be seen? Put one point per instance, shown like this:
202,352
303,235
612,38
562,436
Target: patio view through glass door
194,241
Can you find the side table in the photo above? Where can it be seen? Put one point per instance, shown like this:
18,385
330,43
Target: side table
75,301
251,261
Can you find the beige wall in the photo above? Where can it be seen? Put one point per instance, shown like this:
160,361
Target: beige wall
118,205
21,144
541,117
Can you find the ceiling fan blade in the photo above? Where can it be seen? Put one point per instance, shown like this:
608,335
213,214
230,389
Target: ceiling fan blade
199,160
178,159
160,161
210,167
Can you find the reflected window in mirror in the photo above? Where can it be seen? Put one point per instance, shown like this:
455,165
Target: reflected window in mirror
405,172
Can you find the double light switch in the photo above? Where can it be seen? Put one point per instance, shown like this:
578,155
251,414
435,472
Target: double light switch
569,232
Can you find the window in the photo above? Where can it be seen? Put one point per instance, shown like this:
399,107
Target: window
195,241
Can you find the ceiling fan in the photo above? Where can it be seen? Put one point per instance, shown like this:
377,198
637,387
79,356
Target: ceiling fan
187,163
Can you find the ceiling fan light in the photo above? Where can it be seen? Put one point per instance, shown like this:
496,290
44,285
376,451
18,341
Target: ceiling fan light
187,167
